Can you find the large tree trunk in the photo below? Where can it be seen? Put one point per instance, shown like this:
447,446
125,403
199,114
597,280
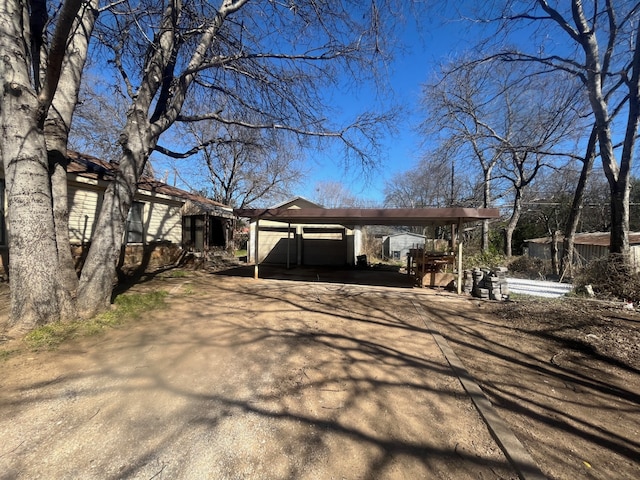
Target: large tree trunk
99,271
56,128
33,266
617,175
67,273
576,207
620,220
485,203
138,138
513,223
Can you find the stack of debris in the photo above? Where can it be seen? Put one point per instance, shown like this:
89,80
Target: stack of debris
487,284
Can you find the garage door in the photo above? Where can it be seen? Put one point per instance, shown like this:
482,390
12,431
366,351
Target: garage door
273,245
324,246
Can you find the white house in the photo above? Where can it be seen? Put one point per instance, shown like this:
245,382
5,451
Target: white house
162,219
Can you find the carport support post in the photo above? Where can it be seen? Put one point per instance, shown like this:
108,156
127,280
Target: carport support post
288,243
257,257
459,238
357,243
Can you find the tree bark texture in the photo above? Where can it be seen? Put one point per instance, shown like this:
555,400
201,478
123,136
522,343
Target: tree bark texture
576,207
99,271
33,266
67,275
513,223
486,200
57,126
619,220
617,174
554,253
138,138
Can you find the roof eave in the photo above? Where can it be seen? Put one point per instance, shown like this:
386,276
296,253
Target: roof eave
362,216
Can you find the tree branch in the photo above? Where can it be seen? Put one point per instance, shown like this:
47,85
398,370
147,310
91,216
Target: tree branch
66,19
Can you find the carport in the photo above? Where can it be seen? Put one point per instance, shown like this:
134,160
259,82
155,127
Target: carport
359,217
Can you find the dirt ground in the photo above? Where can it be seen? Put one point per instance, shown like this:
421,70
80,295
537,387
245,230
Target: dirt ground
322,376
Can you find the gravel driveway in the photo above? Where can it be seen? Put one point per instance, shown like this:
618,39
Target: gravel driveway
238,379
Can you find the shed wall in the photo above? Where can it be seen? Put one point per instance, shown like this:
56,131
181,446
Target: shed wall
584,253
397,246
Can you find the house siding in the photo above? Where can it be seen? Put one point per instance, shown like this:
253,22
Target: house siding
84,205
162,222
161,217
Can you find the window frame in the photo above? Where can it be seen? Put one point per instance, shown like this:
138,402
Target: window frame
132,234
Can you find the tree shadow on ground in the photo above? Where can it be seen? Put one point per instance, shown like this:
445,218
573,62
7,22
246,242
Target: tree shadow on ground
568,403
255,380
371,275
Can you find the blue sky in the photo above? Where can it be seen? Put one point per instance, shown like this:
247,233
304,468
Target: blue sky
426,44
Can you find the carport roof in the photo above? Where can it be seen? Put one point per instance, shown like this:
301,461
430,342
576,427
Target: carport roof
370,216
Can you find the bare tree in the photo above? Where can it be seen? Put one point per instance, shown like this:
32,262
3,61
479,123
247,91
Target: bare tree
163,52
274,69
243,166
42,64
600,46
458,106
431,182
575,213
538,120
332,194
501,116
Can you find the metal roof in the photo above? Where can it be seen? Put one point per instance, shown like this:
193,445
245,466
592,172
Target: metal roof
371,216
602,239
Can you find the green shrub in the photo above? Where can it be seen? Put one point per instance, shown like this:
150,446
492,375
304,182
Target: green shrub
490,259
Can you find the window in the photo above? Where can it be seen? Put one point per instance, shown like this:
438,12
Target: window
3,230
135,227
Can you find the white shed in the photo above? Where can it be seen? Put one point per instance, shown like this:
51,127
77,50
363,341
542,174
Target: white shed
397,246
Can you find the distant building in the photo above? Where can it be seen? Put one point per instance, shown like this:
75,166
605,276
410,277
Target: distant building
396,246
588,246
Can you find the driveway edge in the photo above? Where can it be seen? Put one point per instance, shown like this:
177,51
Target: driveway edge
518,456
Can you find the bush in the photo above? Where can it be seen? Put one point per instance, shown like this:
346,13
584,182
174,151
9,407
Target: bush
530,267
610,277
490,259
